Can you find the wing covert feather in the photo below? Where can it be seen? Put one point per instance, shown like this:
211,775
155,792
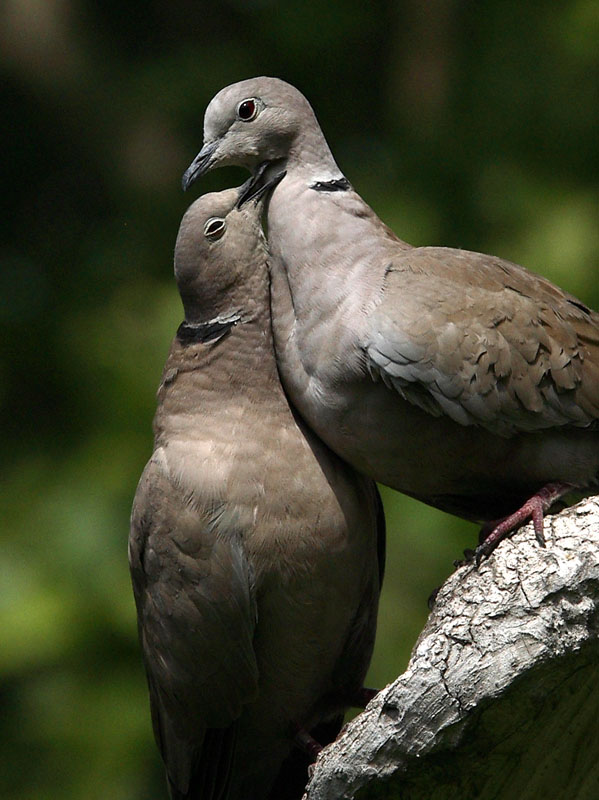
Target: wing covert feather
196,606
485,342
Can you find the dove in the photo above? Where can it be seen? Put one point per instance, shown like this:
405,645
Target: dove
256,554
456,377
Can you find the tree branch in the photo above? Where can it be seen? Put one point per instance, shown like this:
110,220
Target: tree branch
501,696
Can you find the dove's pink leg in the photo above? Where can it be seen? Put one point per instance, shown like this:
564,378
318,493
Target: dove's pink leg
534,508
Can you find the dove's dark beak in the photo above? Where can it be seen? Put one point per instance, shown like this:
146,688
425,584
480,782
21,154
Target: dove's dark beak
201,164
258,185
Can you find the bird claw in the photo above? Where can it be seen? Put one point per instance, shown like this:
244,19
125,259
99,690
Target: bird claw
482,552
537,521
306,742
534,508
469,555
432,598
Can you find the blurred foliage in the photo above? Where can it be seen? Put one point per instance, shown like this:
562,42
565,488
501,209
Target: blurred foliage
463,124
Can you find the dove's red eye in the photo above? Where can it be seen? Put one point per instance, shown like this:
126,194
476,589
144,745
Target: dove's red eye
247,109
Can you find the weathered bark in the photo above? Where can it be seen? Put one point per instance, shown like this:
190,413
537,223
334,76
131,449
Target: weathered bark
501,696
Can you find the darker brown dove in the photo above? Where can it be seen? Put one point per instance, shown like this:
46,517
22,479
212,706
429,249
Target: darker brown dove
455,377
256,553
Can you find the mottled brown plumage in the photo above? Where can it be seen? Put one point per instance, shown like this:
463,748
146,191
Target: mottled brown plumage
456,377
255,552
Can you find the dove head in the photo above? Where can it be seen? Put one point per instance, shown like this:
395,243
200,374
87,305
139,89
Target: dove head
220,247
256,121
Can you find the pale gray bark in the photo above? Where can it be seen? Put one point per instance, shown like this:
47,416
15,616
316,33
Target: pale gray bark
501,696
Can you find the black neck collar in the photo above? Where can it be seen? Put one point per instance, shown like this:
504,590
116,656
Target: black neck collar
336,185
211,331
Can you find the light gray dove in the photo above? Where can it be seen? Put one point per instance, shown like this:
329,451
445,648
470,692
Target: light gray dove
256,554
456,377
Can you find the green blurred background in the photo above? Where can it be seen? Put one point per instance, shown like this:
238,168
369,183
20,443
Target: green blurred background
470,124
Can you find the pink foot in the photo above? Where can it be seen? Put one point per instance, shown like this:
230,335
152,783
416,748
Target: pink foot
534,509
307,743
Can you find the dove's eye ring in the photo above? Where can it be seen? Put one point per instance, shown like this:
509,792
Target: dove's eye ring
247,110
214,228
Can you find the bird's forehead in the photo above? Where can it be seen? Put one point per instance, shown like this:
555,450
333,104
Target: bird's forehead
218,115
221,109
215,204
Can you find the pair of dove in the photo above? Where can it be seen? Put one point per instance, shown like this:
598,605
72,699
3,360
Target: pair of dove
455,377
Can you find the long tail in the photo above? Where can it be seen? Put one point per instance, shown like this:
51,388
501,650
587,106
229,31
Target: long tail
210,772
292,778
